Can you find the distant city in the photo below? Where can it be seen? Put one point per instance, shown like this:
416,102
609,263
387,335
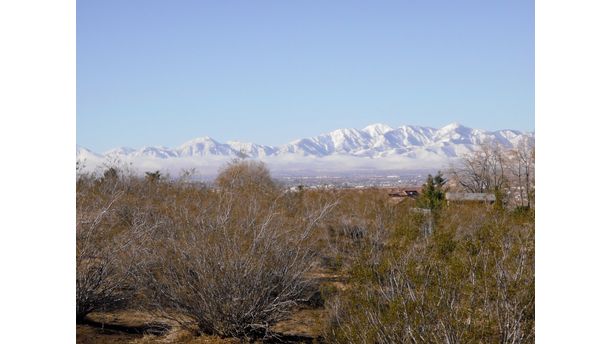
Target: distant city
364,180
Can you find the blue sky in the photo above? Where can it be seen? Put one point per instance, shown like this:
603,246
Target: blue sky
163,72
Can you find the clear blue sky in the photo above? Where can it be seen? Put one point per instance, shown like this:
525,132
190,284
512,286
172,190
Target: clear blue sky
163,72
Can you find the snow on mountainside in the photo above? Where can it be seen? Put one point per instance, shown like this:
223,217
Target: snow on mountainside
377,146
83,153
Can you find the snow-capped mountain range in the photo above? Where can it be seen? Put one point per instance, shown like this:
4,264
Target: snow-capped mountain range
377,146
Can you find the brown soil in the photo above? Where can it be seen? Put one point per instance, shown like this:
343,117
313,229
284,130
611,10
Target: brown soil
134,327
86,334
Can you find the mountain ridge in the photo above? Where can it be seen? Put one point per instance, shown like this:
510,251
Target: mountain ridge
416,146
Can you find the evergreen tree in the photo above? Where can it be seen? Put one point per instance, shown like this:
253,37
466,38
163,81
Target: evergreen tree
432,196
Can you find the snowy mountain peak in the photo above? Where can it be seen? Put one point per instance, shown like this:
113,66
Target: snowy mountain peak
203,139
377,129
452,127
120,151
377,146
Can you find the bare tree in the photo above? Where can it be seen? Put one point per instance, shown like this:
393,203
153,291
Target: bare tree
522,166
482,170
505,172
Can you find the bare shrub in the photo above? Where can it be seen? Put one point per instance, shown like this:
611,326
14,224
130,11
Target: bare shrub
241,176
360,222
242,266
237,257
107,250
468,282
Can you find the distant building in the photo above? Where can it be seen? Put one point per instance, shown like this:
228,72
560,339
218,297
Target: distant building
469,197
400,194
405,192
